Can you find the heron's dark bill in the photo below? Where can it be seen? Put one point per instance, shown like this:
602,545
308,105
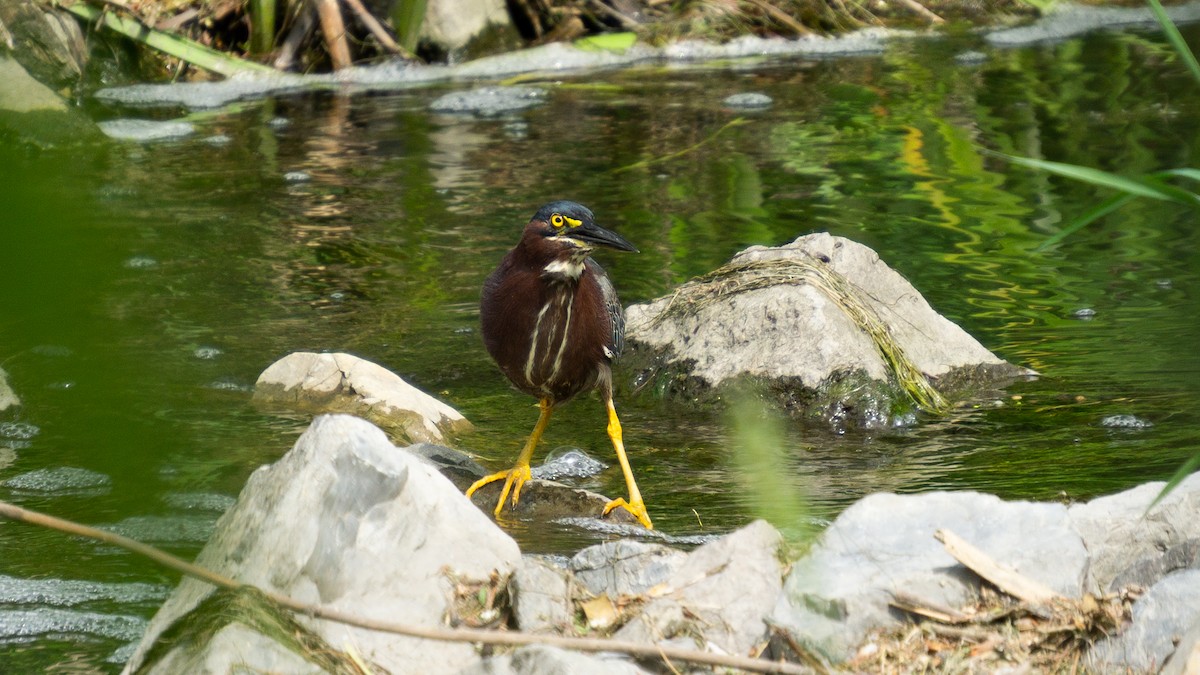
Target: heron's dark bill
594,234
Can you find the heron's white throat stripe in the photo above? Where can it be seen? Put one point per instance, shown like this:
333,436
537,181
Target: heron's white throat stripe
570,268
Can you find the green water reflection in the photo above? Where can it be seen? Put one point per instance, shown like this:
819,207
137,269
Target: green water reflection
143,288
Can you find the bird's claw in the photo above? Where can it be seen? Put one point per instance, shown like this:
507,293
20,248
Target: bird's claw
637,508
514,479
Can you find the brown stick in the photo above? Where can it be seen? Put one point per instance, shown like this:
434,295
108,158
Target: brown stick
493,637
301,27
334,30
781,16
922,10
1006,579
378,30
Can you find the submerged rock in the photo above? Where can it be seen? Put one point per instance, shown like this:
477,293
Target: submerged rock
489,101
822,323
347,384
146,130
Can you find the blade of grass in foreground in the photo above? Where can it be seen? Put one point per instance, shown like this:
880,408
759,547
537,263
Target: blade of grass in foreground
1095,213
1175,38
1085,174
1183,472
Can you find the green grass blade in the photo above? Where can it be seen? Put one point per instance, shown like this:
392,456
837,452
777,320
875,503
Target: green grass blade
1176,40
1096,212
1193,174
262,25
1085,174
1183,472
192,52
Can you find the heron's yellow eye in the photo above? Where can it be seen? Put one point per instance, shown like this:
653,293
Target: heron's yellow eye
556,220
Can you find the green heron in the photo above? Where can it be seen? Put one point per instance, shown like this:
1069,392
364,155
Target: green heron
553,323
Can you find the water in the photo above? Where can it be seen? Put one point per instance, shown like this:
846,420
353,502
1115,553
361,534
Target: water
145,286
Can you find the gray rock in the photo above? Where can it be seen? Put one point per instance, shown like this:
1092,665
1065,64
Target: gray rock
884,544
48,43
489,101
347,521
791,333
624,567
451,24
1127,545
542,597
545,660
1161,618
236,649
720,595
23,94
1185,660
1067,20
347,384
748,101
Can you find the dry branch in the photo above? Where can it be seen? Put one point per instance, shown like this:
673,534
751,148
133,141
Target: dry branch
490,637
1005,578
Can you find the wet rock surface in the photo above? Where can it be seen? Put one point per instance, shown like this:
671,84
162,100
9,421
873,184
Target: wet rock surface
804,320
347,384
489,101
346,520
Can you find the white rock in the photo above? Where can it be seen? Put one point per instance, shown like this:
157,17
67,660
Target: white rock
348,384
348,521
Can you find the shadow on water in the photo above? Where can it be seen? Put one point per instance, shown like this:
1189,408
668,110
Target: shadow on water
145,286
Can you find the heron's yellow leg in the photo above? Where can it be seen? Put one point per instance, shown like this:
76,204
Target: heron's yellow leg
635,504
515,477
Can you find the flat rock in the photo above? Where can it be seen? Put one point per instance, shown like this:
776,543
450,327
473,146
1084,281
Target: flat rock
545,660
348,384
624,567
719,595
1130,546
347,521
542,597
785,326
884,544
1161,619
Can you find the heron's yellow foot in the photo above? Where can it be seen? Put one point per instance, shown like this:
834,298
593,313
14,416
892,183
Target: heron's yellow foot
514,478
637,508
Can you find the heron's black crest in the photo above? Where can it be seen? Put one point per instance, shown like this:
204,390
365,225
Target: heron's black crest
567,208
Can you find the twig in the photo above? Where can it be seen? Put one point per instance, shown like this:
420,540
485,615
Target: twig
378,30
922,10
301,27
626,22
334,30
1006,579
492,637
736,122
781,16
